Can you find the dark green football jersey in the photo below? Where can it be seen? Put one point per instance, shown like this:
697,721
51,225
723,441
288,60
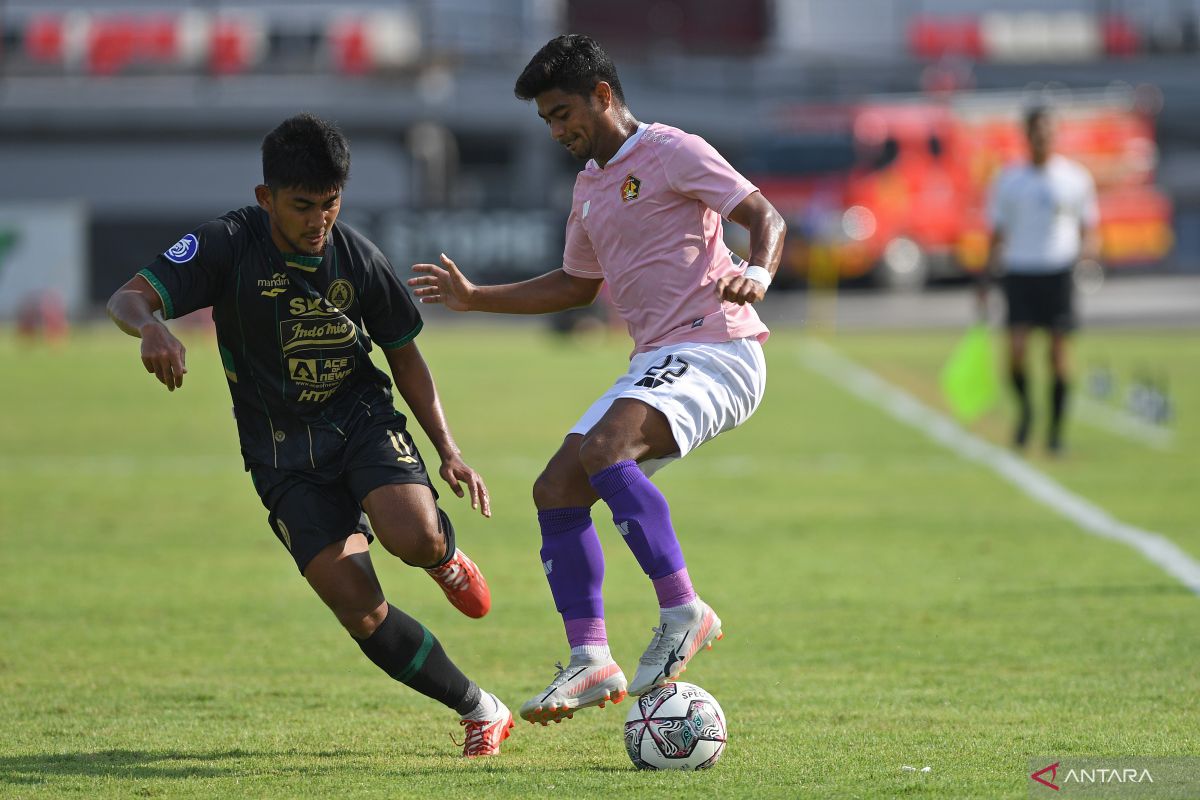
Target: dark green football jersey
294,332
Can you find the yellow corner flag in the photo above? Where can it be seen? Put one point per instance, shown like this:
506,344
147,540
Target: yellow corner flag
968,377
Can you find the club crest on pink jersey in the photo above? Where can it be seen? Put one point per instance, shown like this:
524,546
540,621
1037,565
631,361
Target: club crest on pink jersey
630,188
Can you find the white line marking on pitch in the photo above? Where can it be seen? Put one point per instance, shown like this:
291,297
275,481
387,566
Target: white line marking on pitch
1091,518
1115,421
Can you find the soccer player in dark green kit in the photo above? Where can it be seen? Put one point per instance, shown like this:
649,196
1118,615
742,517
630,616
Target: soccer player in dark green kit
297,300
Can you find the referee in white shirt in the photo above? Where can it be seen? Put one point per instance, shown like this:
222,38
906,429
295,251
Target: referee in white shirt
1044,221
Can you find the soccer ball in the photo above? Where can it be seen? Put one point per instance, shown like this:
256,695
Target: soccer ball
677,726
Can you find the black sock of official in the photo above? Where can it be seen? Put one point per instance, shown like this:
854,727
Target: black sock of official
1021,387
1058,405
406,650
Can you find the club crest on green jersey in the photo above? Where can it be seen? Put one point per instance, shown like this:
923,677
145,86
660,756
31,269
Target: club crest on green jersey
340,294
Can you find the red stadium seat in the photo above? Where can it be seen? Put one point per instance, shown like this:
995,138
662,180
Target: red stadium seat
237,45
45,39
350,48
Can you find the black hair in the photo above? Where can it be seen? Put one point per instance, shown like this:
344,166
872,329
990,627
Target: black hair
572,62
1035,114
306,152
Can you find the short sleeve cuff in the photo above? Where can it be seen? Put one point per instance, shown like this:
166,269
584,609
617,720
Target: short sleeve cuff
736,196
163,294
581,272
404,339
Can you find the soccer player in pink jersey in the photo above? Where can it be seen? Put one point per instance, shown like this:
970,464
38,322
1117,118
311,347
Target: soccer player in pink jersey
646,218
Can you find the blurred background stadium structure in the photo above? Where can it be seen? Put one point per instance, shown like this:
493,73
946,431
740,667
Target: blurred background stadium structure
123,125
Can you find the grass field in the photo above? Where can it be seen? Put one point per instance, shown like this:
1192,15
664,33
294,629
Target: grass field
886,602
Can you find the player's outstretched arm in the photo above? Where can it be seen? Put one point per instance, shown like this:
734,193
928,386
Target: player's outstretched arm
132,307
554,291
767,230
415,384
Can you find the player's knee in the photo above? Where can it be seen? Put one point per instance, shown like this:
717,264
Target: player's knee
419,546
549,491
599,450
429,548
358,623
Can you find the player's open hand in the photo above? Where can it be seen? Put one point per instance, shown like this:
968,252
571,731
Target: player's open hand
740,289
163,355
442,284
455,472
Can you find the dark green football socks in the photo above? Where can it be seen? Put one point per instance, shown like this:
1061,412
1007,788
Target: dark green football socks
407,651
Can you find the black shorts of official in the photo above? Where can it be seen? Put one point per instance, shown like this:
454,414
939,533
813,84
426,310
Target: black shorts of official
1041,300
308,511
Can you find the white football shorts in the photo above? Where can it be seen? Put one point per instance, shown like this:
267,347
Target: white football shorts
702,389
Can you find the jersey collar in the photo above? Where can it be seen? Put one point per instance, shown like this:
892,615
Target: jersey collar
295,260
623,150
305,263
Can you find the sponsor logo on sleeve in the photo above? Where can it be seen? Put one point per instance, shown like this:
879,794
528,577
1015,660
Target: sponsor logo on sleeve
184,250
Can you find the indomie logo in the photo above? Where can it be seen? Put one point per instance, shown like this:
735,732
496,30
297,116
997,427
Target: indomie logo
311,333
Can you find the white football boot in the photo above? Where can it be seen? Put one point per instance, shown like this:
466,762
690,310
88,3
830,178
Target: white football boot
672,648
484,735
580,684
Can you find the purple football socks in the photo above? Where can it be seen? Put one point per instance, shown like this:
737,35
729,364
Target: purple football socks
574,566
641,513
674,590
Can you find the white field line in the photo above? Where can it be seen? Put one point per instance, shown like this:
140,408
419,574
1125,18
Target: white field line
1091,518
1116,421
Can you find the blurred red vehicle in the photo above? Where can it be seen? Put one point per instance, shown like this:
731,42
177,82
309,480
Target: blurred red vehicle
896,190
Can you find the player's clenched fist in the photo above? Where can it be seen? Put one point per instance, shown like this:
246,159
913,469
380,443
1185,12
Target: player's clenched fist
163,355
740,290
442,284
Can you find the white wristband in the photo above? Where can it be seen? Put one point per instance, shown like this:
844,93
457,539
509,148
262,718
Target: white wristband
758,275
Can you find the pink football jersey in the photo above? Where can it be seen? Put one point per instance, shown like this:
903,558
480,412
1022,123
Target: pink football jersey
649,223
